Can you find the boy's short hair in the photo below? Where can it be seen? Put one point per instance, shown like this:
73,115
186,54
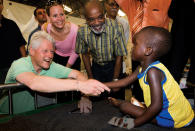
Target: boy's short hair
158,38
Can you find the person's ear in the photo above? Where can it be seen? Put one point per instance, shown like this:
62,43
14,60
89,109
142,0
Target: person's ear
148,51
31,51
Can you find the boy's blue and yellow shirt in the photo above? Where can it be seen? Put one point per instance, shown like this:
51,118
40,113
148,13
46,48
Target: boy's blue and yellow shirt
176,111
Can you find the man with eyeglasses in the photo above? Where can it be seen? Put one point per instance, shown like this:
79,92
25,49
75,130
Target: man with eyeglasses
104,39
40,17
112,8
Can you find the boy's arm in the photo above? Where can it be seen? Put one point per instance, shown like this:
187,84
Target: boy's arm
154,79
117,67
123,82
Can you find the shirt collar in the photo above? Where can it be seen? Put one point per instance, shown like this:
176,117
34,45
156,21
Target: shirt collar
110,18
39,27
32,67
142,74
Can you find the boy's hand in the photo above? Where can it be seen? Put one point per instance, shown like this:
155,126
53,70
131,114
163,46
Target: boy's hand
115,89
92,87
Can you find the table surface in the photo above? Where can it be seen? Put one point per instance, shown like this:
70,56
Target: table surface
59,119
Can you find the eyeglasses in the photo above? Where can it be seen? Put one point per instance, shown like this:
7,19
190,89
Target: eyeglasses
113,4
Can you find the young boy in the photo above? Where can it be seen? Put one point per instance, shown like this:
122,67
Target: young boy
165,103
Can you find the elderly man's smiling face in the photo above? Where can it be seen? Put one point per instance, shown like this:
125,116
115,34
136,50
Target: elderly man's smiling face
95,18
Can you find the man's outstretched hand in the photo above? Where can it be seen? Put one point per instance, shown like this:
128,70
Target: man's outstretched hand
92,87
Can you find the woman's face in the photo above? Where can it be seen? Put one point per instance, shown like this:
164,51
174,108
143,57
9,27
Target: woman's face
57,17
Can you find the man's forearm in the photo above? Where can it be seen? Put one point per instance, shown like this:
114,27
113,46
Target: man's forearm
45,83
87,63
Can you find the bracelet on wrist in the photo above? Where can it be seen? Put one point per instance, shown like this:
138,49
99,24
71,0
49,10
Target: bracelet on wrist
115,80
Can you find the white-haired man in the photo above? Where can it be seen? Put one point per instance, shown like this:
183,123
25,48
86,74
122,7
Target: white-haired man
40,73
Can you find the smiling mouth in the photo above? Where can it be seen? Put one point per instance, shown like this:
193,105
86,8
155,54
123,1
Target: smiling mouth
98,28
59,22
47,60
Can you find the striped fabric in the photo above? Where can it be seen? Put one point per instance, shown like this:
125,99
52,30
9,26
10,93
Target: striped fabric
103,47
137,25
